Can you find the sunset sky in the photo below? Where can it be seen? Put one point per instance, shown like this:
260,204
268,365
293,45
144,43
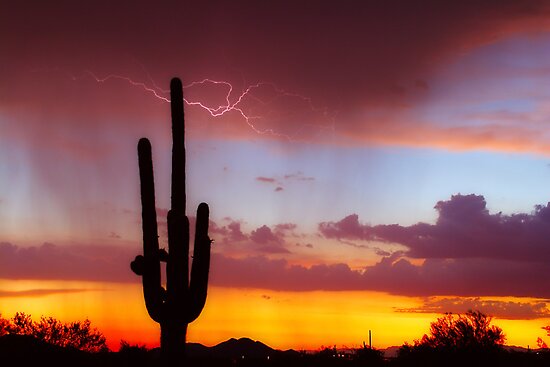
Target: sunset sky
368,165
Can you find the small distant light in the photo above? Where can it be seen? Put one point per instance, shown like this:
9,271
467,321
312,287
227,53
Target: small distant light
242,357
268,358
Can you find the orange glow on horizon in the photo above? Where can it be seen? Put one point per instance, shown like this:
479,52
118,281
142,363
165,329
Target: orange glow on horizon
282,320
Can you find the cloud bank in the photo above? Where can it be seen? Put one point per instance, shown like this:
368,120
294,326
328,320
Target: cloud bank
354,69
500,309
468,252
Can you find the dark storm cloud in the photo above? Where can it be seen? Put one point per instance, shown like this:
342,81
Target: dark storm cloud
344,55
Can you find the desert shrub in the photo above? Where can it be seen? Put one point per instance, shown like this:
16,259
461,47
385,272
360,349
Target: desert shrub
472,330
76,334
4,323
457,340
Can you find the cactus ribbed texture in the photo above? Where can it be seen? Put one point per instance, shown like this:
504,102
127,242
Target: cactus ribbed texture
183,299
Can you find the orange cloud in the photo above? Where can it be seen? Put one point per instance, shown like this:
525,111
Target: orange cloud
494,138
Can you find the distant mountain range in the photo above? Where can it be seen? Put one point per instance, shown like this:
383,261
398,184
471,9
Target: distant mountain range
237,348
27,350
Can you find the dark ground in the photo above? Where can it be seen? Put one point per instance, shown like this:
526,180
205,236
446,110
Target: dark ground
21,351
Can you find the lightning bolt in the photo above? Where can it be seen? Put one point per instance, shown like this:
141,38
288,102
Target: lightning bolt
233,101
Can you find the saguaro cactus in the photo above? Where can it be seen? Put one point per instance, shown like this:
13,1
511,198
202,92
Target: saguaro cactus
183,300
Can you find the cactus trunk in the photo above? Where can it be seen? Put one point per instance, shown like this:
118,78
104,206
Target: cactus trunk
172,340
183,299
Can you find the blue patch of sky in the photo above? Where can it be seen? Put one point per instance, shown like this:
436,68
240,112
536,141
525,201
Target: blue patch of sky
382,185
505,76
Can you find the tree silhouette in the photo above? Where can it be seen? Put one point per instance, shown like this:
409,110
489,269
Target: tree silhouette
457,340
540,342
472,331
4,323
76,334
369,356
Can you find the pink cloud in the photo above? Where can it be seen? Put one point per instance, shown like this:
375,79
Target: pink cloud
285,227
266,179
48,261
393,274
264,235
349,227
299,176
235,233
269,241
264,239
271,180
261,272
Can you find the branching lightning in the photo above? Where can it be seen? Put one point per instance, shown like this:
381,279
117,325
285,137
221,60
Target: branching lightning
233,101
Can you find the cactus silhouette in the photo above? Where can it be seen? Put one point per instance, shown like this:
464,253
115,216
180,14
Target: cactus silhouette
183,299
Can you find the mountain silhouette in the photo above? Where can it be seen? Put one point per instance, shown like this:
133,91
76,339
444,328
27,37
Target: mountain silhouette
243,347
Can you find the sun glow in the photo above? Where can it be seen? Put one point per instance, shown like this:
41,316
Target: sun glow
283,320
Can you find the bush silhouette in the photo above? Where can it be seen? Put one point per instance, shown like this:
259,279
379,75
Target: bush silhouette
457,340
4,323
77,334
540,342
472,330
369,356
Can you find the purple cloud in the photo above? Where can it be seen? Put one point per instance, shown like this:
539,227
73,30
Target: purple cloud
464,229
261,272
271,242
48,261
264,239
393,274
235,233
501,309
263,235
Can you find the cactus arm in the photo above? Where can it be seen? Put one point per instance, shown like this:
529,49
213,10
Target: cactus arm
201,263
150,265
